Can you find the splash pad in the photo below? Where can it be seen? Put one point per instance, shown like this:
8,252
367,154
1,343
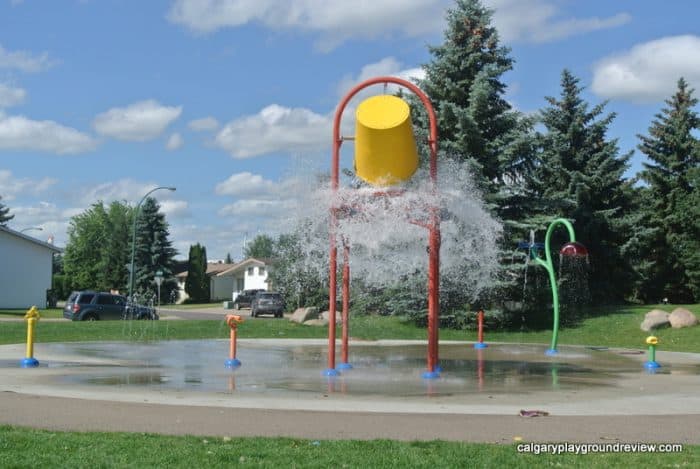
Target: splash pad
283,374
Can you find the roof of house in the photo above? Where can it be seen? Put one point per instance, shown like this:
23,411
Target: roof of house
213,268
245,263
25,237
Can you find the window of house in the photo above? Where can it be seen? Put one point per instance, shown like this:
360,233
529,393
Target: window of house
261,270
250,270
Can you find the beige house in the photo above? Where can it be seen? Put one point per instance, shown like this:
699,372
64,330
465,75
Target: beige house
27,267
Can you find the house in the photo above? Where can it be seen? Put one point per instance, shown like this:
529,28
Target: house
226,281
219,289
248,274
27,268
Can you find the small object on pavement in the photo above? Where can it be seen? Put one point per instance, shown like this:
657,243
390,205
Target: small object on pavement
533,413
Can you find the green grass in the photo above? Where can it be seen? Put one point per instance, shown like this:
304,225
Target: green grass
619,327
19,313
21,447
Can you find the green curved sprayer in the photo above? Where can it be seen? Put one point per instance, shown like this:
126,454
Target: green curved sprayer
570,249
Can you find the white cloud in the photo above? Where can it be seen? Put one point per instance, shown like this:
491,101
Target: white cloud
275,129
540,21
52,220
263,208
203,124
20,133
11,96
140,121
11,187
387,66
334,21
649,71
174,208
245,183
127,190
24,61
174,142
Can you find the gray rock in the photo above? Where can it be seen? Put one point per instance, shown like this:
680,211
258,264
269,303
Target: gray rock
316,322
301,315
655,319
326,315
681,317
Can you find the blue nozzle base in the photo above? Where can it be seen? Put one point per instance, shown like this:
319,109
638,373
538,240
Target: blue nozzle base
232,363
30,362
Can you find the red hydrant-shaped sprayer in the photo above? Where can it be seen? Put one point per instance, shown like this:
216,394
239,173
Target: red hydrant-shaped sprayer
480,327
233,320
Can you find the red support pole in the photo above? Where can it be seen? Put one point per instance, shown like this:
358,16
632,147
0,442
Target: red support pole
480,328
346,303
480,321
232,345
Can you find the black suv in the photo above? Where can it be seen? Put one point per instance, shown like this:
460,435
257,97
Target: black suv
267,303
245,298
94,306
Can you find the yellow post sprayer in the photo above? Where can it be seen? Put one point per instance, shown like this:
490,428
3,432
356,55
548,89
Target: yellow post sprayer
32,317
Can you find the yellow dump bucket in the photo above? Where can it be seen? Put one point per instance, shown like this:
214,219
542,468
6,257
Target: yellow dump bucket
385,150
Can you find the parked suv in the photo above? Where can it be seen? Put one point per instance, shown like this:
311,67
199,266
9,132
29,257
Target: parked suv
245,298
267,303
95,306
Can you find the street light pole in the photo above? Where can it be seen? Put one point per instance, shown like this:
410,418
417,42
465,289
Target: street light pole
133,238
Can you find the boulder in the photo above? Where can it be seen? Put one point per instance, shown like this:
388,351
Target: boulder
301,315
655,319
316,322
681,317
326,316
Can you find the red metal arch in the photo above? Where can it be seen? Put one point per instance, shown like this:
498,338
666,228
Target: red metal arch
433,228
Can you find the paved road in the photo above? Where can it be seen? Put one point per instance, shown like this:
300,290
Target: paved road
217,314
58,413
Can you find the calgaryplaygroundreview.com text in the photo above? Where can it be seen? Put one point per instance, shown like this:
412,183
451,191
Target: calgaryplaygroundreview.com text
586,448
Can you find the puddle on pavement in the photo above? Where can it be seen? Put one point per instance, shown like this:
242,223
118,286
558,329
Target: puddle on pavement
389,370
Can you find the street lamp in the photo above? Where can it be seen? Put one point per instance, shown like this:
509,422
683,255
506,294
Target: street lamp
133,238
38,228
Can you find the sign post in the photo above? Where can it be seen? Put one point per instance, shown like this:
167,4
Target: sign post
159,279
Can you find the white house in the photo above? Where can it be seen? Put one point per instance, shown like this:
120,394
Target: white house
248,274
219,289
27,265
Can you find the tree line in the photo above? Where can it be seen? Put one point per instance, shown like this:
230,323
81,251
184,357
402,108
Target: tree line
98,252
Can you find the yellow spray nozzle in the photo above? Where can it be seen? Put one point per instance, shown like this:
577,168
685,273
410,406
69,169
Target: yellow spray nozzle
32,313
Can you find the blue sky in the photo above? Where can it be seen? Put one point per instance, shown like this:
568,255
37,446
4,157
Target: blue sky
107,99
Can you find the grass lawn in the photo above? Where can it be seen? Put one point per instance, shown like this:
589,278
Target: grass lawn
19,313
21,447
619,327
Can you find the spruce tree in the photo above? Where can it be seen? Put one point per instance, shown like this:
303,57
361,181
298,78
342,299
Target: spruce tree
197,283
154,252
580,176
672,269
477,126
4,214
